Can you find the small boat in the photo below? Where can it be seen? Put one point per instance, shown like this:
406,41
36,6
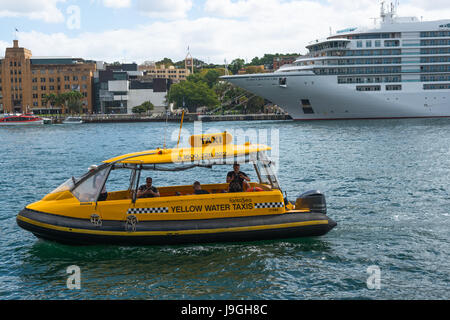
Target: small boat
73,120
88,210
21,119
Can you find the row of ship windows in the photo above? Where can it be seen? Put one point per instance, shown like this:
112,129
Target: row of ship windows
396,43
371,70
377,43
375,36
378,88
384,52
331,71
397,78
374,61
435,34
436,86
442,86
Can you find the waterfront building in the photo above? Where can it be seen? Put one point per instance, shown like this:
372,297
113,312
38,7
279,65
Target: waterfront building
26,80
121,87
282,60
153,71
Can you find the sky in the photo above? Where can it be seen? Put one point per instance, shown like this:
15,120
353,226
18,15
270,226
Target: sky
214,31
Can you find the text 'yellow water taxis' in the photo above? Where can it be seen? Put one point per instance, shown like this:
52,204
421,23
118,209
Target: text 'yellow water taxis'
83,211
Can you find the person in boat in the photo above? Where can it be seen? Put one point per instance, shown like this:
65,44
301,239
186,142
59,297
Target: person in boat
237,180
97,181
198,188
147,190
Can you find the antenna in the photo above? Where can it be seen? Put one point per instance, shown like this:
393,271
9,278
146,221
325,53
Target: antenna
181,126
226,67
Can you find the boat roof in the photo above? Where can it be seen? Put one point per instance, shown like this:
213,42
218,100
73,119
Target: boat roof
210,148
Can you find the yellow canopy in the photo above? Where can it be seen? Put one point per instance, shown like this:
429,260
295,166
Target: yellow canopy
198,152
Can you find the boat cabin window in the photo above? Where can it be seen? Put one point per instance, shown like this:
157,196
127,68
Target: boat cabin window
89,189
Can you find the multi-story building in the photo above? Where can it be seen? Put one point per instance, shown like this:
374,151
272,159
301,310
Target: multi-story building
120,88
282,60
25,81
161,71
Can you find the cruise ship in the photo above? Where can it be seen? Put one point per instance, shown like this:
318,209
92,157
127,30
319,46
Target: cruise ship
400,68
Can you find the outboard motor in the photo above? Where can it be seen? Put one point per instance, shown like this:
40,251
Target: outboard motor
313,200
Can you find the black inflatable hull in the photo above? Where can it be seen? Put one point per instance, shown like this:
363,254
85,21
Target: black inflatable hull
84,232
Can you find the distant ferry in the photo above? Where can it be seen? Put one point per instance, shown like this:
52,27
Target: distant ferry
26,119
399,69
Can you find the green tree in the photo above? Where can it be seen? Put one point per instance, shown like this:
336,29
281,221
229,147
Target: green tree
50,98
143,108
211,77
71,100
192,95
236,65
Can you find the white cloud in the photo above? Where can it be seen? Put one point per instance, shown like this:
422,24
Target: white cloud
45,10
117,3
167,9
228,30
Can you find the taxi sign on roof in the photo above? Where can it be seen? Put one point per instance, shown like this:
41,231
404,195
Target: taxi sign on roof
202,140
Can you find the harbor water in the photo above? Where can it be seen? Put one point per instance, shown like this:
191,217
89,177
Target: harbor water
386,182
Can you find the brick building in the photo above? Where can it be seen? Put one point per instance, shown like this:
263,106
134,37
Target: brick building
25,81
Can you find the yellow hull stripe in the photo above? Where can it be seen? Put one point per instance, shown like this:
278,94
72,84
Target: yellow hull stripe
176,232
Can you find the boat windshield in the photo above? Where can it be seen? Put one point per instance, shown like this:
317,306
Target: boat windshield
66,186
89,189
265,171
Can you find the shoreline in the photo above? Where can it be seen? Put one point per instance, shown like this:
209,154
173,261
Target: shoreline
188,117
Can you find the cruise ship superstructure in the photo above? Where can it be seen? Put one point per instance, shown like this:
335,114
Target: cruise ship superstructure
398,69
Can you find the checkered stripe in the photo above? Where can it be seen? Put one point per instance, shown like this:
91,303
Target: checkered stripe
269,205
148,210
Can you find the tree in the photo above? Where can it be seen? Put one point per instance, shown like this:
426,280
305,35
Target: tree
143,108
166,62
236,65
50,98
211,77
192,95
72,100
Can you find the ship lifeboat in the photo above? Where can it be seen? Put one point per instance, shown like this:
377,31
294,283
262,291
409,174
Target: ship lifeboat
88,210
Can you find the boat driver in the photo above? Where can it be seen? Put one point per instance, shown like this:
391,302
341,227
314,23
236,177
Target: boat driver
237,179
147,190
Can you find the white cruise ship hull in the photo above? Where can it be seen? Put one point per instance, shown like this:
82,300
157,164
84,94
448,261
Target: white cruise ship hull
312,97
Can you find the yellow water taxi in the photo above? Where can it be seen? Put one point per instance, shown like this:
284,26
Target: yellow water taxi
81,211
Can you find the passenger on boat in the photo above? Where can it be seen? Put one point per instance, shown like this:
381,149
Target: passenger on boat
147,190
198,188
237,179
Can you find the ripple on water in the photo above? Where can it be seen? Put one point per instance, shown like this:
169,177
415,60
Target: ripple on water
386,184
